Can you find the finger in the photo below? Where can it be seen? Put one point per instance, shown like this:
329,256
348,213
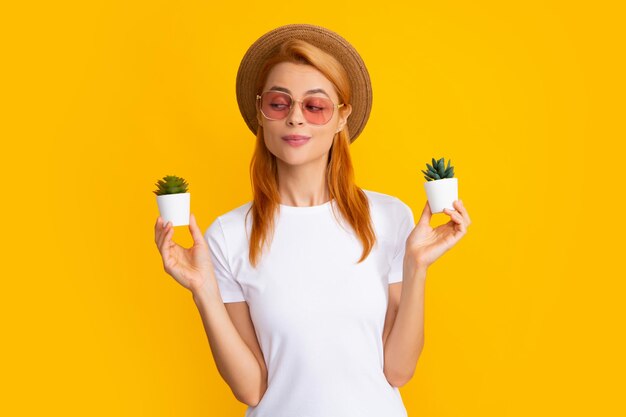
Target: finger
467,217
456,217
458,204
426,215
160,224
198,238
166,235
161,236
166,245
457,207
158,227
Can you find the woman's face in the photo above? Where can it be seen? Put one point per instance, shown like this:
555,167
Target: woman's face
299,81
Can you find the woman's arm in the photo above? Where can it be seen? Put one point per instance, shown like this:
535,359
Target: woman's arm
235,362
404,344
423,247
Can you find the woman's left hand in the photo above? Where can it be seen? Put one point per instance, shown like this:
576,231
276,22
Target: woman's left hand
425,245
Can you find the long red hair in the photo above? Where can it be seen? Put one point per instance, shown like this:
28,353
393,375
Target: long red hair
349,198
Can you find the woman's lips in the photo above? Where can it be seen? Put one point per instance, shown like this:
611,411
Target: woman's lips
296,140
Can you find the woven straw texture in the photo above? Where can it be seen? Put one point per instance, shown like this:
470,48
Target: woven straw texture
324,39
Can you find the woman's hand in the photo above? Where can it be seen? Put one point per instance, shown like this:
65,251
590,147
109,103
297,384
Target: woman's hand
192,267
425,244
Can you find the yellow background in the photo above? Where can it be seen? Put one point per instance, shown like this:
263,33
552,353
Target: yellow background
100,99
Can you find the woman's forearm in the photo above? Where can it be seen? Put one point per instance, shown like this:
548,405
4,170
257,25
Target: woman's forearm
235,361
406,338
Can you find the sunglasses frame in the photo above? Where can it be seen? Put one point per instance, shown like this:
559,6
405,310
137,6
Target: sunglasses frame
259,98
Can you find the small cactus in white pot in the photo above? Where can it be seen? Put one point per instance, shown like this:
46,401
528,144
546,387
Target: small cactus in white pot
441,186
173,200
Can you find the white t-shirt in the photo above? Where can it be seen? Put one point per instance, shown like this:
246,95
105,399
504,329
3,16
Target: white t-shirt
318,315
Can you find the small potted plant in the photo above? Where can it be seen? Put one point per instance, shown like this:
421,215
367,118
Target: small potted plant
441,186
173,200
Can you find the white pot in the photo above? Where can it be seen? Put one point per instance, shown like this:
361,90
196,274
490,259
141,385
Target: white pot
175,208
442,193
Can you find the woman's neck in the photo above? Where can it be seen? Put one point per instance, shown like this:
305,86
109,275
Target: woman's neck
303,186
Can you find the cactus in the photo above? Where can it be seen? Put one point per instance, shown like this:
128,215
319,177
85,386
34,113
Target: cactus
438,171
171,184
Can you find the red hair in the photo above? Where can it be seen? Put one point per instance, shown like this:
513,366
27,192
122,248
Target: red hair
349,198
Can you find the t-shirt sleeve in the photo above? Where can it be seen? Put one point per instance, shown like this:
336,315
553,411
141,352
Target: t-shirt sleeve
406,225
230,289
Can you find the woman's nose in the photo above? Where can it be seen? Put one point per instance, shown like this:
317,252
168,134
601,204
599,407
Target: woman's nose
295,116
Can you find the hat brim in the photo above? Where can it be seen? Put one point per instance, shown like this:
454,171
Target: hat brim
325,39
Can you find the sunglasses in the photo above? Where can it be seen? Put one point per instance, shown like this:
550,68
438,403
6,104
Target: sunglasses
276,105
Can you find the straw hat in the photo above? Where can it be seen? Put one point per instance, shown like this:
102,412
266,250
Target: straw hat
324,39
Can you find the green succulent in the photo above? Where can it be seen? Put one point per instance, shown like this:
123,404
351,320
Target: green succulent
438,171
171,184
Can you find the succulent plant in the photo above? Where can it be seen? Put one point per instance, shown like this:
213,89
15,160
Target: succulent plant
171,184
437,170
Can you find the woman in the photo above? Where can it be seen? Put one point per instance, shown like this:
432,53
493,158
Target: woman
300,289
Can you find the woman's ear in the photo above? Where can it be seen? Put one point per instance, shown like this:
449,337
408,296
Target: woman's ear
344,112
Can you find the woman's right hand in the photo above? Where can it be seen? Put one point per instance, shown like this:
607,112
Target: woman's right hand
191,267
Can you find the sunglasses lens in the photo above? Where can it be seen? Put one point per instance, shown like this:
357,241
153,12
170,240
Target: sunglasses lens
276,105
317,110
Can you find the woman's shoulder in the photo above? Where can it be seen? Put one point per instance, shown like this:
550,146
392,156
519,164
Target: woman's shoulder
236,217
389,213
230,221
236,213
382,201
